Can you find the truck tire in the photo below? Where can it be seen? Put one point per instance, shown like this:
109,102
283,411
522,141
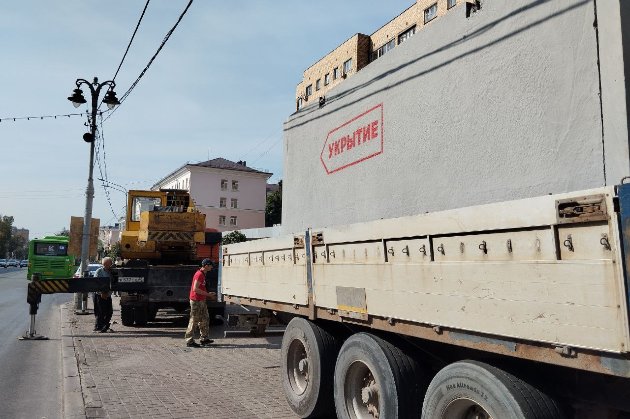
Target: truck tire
308,363
141,315
126,315
474,389
374,378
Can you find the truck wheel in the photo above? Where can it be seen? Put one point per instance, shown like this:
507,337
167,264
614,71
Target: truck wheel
126,315
375,379
308,362
141,315
470,389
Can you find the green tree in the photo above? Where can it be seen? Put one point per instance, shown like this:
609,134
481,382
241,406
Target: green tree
233,237
18,247
6,223
114,251
273,209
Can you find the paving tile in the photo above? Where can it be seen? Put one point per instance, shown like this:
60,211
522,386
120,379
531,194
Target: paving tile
146,373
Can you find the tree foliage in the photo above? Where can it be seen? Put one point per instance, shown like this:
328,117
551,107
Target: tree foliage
6,224
233,237
11,245
64,232
273,208
18,247
114,251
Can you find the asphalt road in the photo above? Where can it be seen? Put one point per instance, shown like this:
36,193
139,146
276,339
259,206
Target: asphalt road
30,371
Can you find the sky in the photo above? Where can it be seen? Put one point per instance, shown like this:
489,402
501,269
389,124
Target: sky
222,86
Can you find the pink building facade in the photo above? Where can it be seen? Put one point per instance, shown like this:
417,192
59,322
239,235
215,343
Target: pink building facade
232,195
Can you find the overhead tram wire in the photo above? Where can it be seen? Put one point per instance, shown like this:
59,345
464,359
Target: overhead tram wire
103,146
142,73
128,45
101,115
117,217
103,167
131,40
269,137
114,187
267,151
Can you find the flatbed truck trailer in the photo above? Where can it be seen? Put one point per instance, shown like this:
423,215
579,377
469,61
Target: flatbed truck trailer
514,309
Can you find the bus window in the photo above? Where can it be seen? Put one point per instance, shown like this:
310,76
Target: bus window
50,249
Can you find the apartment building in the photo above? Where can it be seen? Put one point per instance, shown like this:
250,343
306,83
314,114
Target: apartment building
360,50
232,195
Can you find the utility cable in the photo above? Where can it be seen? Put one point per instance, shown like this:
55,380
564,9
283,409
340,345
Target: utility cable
267,151
131,40
40,117
269,137
100,142
142,73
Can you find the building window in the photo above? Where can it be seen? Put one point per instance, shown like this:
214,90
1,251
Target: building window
309,90
430,13
318,84
450,3
347,66
224,184
222,202
406,34
235,185
335,73
221,220
326,79
233,220
299,103
382,50
234,203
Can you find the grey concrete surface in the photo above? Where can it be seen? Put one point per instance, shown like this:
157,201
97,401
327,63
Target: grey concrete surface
502,105
30,377
148,372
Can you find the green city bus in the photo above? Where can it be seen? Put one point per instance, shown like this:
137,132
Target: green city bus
49,258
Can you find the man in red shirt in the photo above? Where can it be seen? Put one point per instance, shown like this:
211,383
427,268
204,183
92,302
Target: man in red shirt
199,317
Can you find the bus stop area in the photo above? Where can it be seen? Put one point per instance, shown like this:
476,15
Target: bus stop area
149,372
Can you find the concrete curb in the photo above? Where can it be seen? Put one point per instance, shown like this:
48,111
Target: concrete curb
73,405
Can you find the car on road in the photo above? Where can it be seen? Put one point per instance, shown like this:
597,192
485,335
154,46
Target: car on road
23,263
92,267
13,262
3,263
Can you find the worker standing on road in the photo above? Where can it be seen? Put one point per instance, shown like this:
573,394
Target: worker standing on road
199,317
103,300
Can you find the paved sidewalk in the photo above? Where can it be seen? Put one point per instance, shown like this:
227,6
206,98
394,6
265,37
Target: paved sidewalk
150,373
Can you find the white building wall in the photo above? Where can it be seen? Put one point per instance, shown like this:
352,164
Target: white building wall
251,197
204,185
109,235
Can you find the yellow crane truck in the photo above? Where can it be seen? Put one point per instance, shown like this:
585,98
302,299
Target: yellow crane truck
164,239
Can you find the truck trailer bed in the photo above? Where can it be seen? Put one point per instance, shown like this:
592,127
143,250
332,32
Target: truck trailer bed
518,278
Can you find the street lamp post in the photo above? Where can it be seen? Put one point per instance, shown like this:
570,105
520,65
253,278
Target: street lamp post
77,100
